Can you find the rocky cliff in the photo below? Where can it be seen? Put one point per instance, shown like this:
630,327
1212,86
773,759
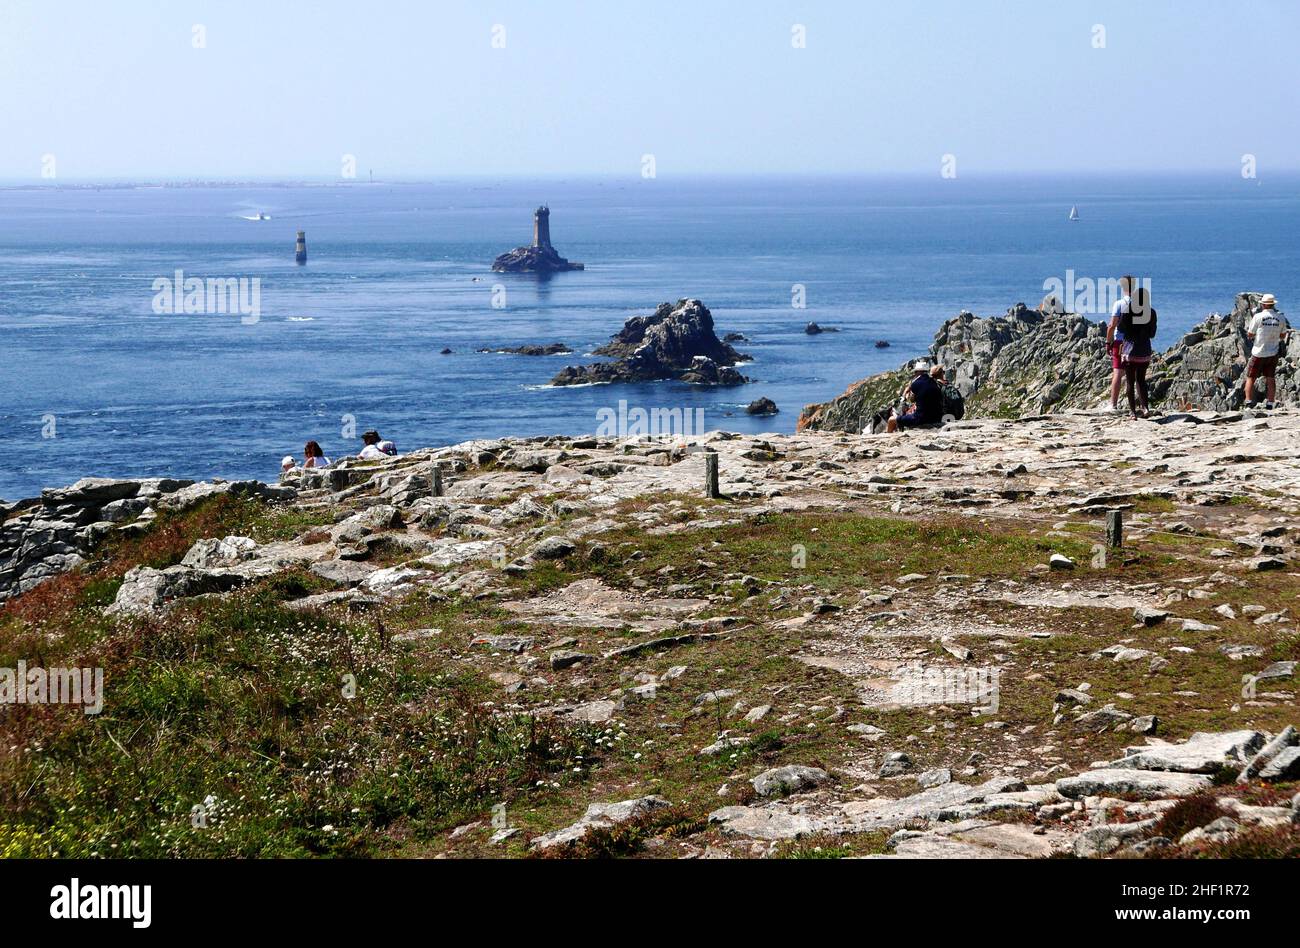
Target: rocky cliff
1029,362
676,341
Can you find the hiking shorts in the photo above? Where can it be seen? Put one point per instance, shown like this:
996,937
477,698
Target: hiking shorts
1117,361
1262,367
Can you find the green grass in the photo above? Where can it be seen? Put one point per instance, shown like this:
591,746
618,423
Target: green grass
839,552
306,733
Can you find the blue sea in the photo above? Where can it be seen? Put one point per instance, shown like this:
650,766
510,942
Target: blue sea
93,381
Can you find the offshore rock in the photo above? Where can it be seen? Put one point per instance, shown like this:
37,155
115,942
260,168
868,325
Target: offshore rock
676,341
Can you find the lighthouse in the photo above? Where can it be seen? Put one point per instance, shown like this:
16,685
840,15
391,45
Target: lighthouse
542,227
540,257
300,250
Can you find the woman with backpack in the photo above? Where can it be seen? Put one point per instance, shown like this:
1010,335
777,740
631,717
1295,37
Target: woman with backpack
1135,329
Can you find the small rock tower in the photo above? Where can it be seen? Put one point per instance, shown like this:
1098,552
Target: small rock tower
542,227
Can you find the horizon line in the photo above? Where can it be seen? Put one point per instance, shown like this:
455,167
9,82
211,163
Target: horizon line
146,180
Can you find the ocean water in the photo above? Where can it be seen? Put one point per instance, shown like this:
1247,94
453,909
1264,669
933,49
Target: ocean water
94,382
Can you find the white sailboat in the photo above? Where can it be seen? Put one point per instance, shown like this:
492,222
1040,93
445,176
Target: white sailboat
1074,212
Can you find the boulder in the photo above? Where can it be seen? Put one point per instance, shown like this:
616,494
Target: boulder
567,658
90,491
1149,617
677,341
146,591
553,548
205,554
1285,766
781,781
1100,840
1216,832
896,764
1202,753
1142,784
601,815
757,823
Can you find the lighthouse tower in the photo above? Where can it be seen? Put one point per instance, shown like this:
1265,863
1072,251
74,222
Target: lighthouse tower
542,227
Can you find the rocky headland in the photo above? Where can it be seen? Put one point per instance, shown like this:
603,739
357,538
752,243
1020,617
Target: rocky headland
1030,362
676,341
916,646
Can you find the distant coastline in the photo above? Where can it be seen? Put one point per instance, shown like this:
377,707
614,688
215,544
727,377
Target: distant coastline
912,176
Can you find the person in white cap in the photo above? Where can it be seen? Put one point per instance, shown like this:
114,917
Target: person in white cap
927,397
1267,330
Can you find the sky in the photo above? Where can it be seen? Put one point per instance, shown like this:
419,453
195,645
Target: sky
425,89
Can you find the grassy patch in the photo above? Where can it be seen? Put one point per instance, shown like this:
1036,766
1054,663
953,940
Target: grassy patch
838,552
291,733
823,846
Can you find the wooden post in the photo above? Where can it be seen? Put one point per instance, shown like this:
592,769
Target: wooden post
1115,529
437,480
711,475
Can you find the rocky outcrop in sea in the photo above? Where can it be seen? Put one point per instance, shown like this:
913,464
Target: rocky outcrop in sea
1029,362
533,260
676,341
532,349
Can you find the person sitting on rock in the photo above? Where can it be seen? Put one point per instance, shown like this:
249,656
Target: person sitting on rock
375,448
1136,327
927,397
287,464
313,456
1115,338
1268,330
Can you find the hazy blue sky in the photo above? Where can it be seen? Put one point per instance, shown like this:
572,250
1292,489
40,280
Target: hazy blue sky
285,89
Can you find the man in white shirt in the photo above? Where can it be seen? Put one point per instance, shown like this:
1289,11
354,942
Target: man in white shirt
1267,330
376,448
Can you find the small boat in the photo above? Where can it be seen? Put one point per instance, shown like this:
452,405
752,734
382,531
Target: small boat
1074,213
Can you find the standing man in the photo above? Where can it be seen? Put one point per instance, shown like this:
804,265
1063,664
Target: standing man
1268,329
1115,338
